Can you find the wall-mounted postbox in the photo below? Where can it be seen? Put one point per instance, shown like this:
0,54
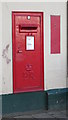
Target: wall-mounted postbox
28,68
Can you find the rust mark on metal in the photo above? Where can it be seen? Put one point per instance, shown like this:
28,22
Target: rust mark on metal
5,54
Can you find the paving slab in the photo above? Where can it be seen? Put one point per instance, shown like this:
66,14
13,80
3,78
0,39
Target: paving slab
24,116
40,115
57,114
0,117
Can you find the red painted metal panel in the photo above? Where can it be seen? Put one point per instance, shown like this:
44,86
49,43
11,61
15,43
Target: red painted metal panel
28,64
55,34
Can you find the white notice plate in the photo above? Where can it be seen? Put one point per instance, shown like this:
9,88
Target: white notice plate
29,42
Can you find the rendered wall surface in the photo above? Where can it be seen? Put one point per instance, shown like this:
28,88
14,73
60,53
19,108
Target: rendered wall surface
54,64
1,48
0,60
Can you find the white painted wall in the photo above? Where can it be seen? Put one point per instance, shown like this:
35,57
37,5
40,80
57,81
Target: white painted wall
55,65
0,48
0,60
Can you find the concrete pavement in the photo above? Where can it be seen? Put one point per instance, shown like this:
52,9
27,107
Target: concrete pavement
38,114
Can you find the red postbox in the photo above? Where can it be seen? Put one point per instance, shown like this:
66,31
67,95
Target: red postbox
28,61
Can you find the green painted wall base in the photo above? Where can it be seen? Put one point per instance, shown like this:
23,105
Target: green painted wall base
0,104
58,99
23,102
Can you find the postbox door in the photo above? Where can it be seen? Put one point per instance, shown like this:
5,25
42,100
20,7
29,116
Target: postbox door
28,68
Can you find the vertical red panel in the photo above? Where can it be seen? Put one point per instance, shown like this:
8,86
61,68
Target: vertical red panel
55,34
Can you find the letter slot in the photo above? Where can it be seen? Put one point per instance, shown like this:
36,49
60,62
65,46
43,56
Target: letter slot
28,28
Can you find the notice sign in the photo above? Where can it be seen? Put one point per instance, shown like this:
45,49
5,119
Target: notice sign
29,42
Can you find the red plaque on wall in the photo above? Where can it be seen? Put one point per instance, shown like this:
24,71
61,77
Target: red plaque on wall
55,34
